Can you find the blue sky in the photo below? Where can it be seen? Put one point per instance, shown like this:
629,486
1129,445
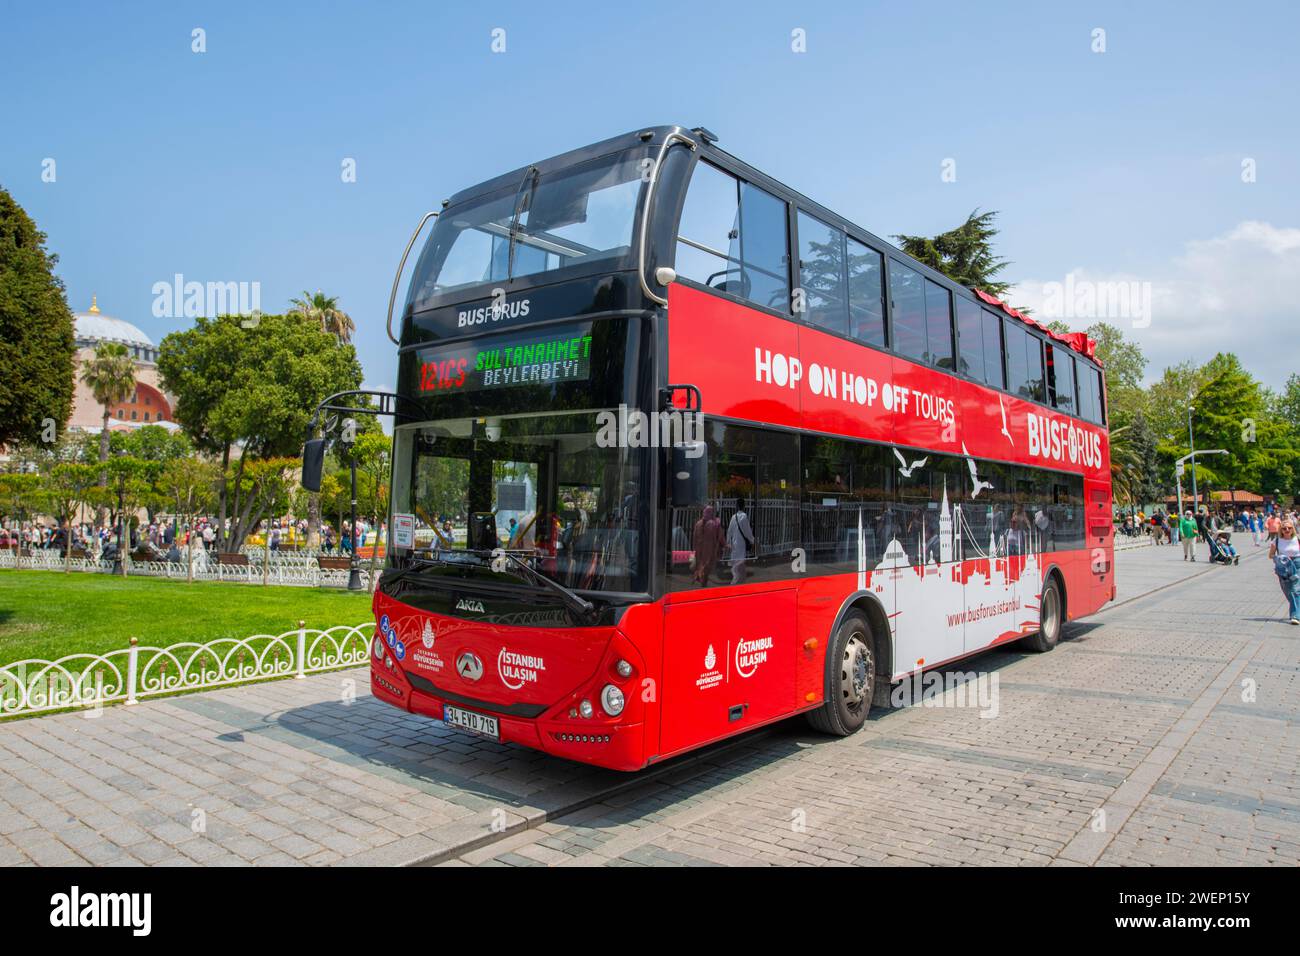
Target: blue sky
225,165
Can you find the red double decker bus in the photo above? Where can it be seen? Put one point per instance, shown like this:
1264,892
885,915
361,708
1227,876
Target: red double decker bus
681,453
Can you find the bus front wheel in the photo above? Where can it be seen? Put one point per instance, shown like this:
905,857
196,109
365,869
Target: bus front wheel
1050,612
850,679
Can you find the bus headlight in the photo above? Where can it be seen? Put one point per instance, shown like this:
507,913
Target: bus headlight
585,708
624,669
611,698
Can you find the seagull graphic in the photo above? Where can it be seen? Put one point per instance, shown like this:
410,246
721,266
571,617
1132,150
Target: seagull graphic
906,469
974,475
1004,422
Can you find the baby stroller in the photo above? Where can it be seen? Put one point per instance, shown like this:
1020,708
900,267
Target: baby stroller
1221,549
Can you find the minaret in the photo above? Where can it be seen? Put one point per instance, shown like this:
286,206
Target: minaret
945,527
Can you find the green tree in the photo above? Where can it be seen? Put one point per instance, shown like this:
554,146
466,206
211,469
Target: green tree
128,490
37,345
20,497
251,386
964,254
1167,400
188,485
373,451
334,494
260,487
1286,406
153,443
1231,413
67,488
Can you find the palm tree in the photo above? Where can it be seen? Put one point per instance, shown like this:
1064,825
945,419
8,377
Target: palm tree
110,376
325,310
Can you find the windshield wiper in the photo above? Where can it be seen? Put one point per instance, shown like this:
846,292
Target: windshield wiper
574,601
529,181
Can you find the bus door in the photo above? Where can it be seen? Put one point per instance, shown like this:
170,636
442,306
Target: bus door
729,660
1100,530
728,664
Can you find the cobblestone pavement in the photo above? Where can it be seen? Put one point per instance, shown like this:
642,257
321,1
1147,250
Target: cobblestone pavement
1162,732
315,771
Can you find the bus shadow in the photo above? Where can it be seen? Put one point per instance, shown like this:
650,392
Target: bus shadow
975,668
424,754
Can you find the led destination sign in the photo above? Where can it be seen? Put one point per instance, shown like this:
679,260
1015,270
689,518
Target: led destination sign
537,358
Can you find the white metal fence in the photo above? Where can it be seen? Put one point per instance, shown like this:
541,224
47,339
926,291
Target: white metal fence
134,672
290,569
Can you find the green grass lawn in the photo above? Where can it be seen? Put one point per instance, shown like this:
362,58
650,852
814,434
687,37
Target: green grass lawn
46,614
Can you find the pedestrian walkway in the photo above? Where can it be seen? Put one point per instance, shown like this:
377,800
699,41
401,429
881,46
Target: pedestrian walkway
1163,732
315,771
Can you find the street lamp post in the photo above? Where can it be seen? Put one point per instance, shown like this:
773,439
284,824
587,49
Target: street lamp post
1191,443
354,566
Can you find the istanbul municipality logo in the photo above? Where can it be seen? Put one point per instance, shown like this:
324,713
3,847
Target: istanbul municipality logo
74,908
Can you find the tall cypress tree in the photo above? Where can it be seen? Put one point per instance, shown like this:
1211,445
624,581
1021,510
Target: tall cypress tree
37,345
964,254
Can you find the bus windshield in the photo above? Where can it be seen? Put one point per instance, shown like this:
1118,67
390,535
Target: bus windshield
539,486
548,221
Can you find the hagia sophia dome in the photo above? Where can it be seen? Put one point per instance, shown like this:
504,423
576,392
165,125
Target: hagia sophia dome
149,405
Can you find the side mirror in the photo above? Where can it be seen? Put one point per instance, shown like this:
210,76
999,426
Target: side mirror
690,473
313,463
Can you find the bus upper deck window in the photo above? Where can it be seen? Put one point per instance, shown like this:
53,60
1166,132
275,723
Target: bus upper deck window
866,269
733,238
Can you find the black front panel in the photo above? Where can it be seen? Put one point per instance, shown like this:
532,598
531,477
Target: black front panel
524,304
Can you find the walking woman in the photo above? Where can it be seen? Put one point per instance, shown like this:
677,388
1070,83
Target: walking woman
1285,552
707,541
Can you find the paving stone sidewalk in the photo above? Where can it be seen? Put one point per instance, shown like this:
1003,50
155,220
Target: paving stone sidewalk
315,771
1162,732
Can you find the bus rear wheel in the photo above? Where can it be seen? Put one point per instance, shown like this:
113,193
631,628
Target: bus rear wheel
1050,613
850,679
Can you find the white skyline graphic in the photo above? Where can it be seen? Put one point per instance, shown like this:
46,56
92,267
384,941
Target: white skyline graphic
943,609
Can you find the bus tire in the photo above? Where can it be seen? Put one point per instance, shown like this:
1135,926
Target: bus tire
850,679
1050,612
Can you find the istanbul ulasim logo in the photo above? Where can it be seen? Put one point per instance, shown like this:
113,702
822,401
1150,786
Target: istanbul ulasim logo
749,654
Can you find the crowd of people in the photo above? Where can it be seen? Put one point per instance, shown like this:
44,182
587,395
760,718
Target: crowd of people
1274,527
169,540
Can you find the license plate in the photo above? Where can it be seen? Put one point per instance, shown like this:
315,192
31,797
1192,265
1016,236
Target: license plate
480,724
